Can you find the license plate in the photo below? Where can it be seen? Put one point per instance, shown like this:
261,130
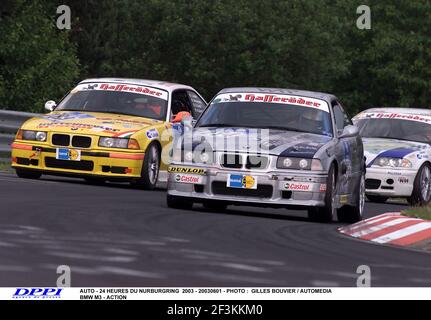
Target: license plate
242,181
68,154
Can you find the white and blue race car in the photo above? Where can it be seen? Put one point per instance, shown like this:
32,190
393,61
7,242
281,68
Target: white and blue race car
397,144
271,147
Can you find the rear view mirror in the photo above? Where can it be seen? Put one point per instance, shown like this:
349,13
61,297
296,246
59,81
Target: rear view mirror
50,105
349,131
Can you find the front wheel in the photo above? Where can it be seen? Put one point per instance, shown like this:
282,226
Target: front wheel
421,194
150,169
326,213
352,214
28,174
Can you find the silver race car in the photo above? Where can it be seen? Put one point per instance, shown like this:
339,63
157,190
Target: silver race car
397,145
271,147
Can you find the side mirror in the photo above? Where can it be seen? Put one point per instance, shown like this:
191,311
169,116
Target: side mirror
181,116
349,131
50,105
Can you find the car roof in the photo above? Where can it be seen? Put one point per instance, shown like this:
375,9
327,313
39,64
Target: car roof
294,92
414,111
165,85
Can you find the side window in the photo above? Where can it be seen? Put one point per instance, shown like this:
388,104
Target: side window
180,102
341,118
199,105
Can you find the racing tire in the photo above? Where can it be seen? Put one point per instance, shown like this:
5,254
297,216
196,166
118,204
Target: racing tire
326,213
28,174
352,214
150,169
175,202
421,194
377,199
212,205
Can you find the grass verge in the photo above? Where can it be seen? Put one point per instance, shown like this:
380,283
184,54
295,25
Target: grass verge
5,167
418,212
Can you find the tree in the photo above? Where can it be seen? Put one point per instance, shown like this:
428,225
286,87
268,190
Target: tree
37,61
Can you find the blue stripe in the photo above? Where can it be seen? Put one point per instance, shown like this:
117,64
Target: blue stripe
393,153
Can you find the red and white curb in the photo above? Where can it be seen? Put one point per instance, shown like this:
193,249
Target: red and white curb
390,228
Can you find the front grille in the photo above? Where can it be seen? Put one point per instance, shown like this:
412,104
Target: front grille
256,162
82,165
262,191
372,184
81,142
233,161
60,139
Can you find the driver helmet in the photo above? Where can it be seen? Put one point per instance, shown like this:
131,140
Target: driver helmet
311,114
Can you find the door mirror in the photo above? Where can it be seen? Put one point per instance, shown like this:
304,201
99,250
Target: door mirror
181,116
349,131
50,105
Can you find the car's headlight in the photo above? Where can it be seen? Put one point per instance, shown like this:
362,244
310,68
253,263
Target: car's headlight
392,162
203,157
298,163
119,143
33,135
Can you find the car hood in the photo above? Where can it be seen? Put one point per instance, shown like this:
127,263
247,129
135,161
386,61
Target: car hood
93,123
378,147
275,142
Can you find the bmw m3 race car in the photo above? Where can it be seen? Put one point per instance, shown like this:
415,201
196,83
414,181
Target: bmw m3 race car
106,129
271,147
398,153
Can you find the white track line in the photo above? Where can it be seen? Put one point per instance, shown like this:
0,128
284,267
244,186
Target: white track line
403,232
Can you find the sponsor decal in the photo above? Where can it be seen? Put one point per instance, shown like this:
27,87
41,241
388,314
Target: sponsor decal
273,98
75,126
37,293
68,154
242,181
403,180
344,198
67,116
152,134
401,116
186,170
393,173
187,178
322,187
298,186
121,87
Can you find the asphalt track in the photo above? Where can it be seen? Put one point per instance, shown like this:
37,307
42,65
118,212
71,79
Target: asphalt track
114,235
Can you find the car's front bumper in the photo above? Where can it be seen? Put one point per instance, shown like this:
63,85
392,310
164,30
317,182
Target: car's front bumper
389,182
271,188
109,164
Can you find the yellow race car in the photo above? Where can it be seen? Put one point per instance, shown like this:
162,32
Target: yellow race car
107,129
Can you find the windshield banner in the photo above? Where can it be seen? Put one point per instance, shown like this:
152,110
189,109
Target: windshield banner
273,98
392,115
120,87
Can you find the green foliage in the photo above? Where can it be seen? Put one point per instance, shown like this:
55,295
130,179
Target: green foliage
311,44
37,61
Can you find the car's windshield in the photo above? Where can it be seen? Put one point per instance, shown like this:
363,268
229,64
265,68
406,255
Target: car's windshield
268,111
116,98
395,129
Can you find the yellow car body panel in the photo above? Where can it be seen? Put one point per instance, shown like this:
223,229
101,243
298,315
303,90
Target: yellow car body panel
94,160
